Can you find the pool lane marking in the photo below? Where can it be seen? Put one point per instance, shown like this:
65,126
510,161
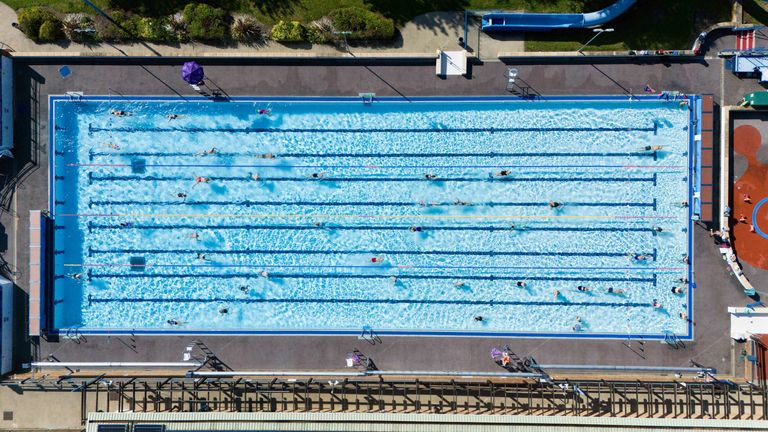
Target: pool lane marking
399,276
420,179
754,218
92,299
520,229
92,251
349,216
91,128
639,267
517,167
278,156
248,203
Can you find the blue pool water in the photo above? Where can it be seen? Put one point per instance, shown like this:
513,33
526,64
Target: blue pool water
122,227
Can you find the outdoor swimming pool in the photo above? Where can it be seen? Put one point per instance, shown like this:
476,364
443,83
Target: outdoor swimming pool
152,234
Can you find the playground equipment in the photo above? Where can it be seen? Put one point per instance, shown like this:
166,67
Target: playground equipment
502,21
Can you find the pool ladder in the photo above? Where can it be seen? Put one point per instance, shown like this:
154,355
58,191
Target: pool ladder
367,98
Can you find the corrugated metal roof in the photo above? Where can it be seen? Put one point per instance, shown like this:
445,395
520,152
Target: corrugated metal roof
408,422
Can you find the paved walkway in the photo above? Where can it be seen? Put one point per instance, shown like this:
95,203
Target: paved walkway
717,290
423,35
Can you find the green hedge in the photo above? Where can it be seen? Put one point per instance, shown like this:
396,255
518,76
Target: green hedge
40,24
289,31
51,30
363,24
205,22
154,30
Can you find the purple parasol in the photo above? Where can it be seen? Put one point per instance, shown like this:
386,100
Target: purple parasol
192,73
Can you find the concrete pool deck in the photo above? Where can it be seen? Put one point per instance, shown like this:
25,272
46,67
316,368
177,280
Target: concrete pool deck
37,79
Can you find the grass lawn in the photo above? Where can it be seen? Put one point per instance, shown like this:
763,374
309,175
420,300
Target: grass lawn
650,24
270,11
66,6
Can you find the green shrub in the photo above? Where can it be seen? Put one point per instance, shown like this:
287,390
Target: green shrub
178,27
289,31
205,22
74,26
321,31
154,30
32,19
51,30
363,24
247,30
125,29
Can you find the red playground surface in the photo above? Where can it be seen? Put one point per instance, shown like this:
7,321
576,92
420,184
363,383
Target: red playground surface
749,202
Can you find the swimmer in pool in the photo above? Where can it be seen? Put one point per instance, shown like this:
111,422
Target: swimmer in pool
210,151
430,176
173,116
113,146
264,111
267,156
554,204
199,180
415,228
120,113
653,148
459,284
254,177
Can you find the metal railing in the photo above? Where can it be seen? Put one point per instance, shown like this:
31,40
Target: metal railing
720,400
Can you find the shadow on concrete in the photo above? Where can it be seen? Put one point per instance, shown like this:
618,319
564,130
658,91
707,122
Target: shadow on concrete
402,11
26,126
23,345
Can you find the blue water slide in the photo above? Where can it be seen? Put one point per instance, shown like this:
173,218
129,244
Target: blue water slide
500,21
